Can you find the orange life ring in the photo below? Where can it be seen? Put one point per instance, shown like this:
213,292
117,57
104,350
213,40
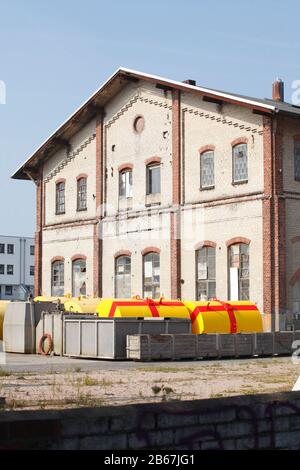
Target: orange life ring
41,344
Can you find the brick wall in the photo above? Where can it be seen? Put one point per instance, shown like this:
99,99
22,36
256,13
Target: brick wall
243,422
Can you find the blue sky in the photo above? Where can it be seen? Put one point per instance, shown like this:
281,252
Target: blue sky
54,54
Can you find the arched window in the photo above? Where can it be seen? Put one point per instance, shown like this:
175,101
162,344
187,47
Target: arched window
153,178
78,277
239,272
60,197
239,163
123,277
207,171
57,278
205,273
81,194
125,183
151,275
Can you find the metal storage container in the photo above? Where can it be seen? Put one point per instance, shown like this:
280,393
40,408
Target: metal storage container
105,338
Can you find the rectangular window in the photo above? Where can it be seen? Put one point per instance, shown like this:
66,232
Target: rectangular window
60,198
153,179
2,247
297,160
1,268
31,273
8,290
125,184
32,250
10,249
57,278
81,194
151,272
240,163
10,269
207,176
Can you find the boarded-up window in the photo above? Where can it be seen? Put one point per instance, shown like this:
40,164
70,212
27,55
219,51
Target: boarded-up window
239,274
240,163
207,175
78,277
81,194
297,160
57,279
151,274
123,277
60,198
206,273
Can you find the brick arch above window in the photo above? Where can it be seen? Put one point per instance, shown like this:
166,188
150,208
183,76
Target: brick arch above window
125,166
57,258
82,175
152,160
295,277
78,256
60,180
122,253
205,243
150,249
207,148
239,140
235,240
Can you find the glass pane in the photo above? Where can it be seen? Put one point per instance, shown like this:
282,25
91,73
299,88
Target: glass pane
207,169
123,277
79,278
154,179
297,160
240,164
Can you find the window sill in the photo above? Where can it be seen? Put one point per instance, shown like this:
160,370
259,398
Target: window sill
207,188
236,183
59,213
81,210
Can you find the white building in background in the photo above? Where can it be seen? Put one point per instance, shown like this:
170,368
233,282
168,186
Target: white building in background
16,267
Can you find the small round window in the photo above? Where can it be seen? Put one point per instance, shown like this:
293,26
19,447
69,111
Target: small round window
139,124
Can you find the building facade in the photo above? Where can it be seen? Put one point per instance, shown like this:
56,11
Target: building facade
155,187
16,267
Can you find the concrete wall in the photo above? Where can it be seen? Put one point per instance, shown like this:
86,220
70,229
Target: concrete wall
235,423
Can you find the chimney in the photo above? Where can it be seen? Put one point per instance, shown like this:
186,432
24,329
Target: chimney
190,82
278,90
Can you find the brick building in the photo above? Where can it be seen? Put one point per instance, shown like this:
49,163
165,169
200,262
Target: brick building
157,187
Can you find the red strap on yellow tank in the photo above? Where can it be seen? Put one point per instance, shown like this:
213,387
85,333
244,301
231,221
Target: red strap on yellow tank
152,304
224,306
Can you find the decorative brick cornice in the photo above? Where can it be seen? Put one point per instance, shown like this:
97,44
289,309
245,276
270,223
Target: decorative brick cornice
151,160
150,249
122,253
239,140
205,243
207,148
57,258
71,155
236,240
78,257
125,166
82,175
220,119
295,277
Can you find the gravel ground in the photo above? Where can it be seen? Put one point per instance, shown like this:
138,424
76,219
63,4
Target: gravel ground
145,382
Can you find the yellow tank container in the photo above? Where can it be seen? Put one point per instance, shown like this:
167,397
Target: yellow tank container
142,308
81,305
224,317
3,305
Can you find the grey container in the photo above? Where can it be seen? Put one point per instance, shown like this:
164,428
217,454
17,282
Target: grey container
51,323
105,338
19,325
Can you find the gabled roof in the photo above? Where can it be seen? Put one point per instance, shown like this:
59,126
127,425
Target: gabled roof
111,87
